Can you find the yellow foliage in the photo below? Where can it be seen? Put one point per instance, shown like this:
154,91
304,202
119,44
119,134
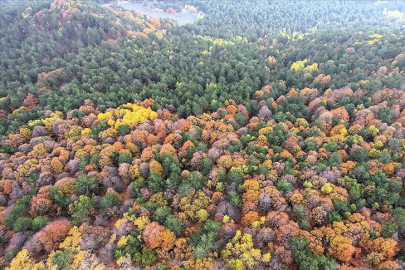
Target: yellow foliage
27,12
73,240
104,116
390,167
271,59
21,262
119,222
258,223
268,163
201,264
110,122
241,247
327,188
141,222
376,36
110,132
113,237
225,219
81,153
123,241
218,41
156,167
251,184
374,153
301,122
66,186
86,131
265,130
26,132
124,260
159,199
195,201
241,169
47,121
311,68
266,257
299,65
236,264
372,130
202,215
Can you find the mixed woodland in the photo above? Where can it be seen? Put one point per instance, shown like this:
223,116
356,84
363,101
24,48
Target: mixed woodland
265,135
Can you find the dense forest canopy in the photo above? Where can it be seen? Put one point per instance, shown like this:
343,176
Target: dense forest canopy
265,135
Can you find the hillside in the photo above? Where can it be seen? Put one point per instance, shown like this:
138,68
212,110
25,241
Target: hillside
247,141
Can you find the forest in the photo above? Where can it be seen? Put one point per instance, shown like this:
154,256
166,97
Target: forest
264,135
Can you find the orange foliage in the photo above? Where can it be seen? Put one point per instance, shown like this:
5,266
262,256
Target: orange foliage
249,218
147,154
390,167
156,236
347,167
53,234
31,101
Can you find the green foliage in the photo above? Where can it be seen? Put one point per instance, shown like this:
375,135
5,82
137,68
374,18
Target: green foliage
284,186
240,119
161,267
62,199
32,178
80,209
234,198
342,208
6,148
155,183
401,255
61,258
195,180
125,158
20,209
136,186
123,129
359,155
94,159
299,211
12,253
39,222
22,224
174,224
335,159
162,213
206,240
97,129
132,247
306,259
235,177
146,257
388,229
62,56
171,170
386,115
331,147
109,200
86,185
399,216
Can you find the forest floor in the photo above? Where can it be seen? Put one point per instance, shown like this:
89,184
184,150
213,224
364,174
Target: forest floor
181,18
